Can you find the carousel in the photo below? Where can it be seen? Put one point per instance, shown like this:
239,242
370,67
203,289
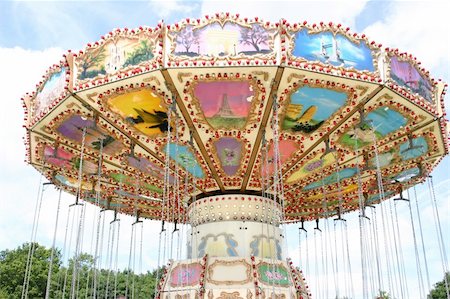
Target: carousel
227,129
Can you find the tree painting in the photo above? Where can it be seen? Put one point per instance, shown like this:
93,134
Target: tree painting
91,64
187,38
254,36
140,54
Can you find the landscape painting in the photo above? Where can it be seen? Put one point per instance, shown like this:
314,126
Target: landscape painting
225,104
406,75
229,152
309,107
335,49
133,182
142,109
95,138
383,120
50,91
114,55
228,40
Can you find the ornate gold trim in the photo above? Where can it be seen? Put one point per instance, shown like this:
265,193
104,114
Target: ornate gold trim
228,264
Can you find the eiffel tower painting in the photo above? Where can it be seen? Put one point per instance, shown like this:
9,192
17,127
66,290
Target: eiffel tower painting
225,109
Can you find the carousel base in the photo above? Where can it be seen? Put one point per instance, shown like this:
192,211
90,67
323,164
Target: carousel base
232,278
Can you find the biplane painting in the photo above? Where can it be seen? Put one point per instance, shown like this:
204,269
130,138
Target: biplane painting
63,159
143,109
383,120
229,152
312,166
406,175
95,138
228,40
183,156
225,104
334,49
414,148
332,179
406,75
51,90
114,55
310,107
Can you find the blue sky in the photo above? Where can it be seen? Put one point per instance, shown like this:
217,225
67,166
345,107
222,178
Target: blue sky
34,35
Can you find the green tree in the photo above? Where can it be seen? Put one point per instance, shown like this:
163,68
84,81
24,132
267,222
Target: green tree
12,270
439,291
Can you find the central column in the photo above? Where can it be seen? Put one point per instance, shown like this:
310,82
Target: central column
235,226
235,251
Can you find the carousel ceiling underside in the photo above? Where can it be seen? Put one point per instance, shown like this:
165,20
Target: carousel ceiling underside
210,85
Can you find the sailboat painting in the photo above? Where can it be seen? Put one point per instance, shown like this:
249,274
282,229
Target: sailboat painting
334,49
310,107
225,104
406,75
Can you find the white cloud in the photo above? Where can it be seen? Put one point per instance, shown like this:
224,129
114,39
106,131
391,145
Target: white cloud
163,9
293,11
419,28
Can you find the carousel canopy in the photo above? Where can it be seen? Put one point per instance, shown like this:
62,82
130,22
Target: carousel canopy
218,105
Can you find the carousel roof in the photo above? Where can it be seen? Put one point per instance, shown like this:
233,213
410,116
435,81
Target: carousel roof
195,106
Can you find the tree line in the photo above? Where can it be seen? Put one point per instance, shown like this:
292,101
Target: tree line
110,284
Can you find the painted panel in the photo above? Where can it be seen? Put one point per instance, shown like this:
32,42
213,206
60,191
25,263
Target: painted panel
384,120
331,179
222,40
276,275
312,166
412,149
133,182
374,198
219,245
50,91
185,275
147,167
73,183
183,155
143,109
72,128
334,49
229,151
114,55
407,175
229,272
408,150
225,104
286,148
265,247
310,107
63,159
406,75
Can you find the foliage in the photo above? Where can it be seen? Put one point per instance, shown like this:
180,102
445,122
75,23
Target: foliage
12,271
91,61
140,54
254,36
439,290
187,38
